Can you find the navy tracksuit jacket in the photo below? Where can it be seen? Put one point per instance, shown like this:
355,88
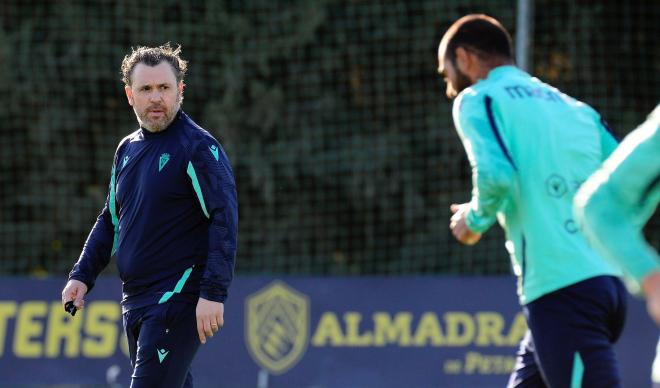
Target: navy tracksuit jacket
171,217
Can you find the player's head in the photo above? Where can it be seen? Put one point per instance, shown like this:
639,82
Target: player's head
153,78
472,43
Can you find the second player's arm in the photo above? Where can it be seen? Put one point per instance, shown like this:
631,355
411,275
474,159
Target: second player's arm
493,171
615,203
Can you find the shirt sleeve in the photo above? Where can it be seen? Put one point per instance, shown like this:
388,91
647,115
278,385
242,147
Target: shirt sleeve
101,242
493,170
615,203
214,184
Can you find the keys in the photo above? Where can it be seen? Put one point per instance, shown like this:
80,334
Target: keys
70,308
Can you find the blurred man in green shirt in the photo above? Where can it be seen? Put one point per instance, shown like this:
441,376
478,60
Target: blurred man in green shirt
616,202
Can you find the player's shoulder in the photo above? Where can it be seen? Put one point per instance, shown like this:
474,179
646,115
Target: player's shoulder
559,95
195,138
469,100
193,132
133,136
578,104
476,94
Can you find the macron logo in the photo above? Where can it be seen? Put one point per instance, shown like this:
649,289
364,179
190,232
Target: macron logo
164,158
125,161
162,353
214,151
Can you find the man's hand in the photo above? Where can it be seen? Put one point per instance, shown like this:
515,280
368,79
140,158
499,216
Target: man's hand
458,226
651,287
210,318
74,290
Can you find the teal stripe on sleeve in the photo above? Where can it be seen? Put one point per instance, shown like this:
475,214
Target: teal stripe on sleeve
578,371
198,190
493,126
178,287
113,211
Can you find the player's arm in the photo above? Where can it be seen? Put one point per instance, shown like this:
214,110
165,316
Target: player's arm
96,252
213,181
214,184
493,170
615,203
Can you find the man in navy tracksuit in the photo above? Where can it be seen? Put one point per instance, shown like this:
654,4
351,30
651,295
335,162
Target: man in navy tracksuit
171,218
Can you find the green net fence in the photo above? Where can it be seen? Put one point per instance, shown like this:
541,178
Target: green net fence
331,112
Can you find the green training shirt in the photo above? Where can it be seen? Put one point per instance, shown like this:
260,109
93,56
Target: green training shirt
531,147
616,202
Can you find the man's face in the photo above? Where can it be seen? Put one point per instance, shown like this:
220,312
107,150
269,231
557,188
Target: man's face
154,95
456,80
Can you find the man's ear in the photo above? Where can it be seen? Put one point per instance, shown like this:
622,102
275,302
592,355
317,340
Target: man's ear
129,94
468,63
181,86
463,60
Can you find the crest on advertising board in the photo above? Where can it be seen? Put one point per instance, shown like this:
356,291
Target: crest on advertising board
277,326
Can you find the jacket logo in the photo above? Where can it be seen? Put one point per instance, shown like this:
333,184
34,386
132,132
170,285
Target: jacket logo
162,353
214,151
126,158
164,158
277,326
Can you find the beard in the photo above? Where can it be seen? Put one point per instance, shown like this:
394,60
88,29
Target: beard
162,121
459,84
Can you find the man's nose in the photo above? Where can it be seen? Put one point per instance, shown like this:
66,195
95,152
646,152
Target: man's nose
155,95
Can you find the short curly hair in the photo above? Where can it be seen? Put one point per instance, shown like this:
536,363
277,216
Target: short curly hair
152,56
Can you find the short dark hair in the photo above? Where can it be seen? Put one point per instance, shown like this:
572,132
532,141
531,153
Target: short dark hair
481,34
152,56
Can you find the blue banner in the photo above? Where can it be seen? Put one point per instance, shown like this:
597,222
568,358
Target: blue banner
301,332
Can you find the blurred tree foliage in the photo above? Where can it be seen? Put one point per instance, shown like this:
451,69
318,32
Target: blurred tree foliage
331,112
